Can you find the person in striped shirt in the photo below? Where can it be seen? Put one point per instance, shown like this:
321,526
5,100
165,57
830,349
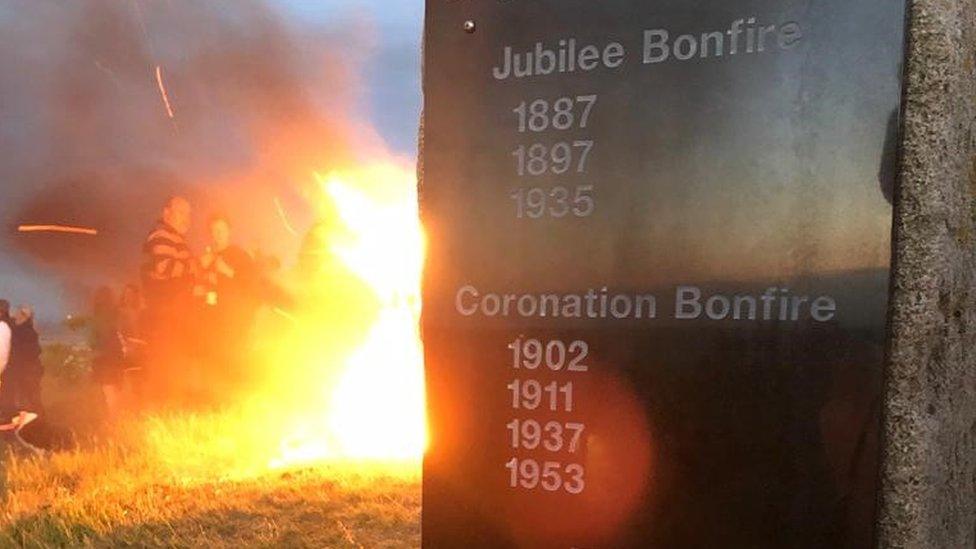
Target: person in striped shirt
169,269
169,275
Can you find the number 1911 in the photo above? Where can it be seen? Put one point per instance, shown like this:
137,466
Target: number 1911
530,394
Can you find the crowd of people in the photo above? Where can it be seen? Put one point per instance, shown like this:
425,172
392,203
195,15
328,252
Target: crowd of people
180,336
192,333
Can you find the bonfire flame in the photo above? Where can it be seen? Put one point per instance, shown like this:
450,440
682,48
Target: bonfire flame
340,374
373,402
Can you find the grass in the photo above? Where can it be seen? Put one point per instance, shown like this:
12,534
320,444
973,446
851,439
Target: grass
182,480
101,499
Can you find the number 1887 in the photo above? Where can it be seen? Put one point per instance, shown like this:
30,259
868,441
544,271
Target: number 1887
562,114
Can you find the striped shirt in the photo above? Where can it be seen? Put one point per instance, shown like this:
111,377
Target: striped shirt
168,264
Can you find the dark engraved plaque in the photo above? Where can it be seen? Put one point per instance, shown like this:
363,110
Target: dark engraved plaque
659,247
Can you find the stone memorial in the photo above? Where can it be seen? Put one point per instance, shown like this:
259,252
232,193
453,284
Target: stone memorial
661,307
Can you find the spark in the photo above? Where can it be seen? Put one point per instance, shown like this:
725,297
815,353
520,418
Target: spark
108,71
284,217
162,91
285,314
56,229
142,25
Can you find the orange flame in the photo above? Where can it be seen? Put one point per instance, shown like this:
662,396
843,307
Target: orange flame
374,407
340,374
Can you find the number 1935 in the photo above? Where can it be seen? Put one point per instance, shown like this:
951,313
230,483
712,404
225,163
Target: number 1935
557,202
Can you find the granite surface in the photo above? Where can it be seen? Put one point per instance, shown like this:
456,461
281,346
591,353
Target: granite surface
928,494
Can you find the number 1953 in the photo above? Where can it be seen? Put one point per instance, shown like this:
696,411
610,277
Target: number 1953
551,476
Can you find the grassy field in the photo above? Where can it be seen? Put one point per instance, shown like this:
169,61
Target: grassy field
183,480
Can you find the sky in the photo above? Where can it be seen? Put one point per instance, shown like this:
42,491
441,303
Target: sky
392,71
382,41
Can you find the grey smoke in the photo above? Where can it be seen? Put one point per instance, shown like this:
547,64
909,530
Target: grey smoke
85,137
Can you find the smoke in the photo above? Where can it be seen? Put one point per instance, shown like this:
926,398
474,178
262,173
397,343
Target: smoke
109,106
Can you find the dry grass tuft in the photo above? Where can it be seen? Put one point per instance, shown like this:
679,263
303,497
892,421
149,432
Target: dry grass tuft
194,480
111,495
